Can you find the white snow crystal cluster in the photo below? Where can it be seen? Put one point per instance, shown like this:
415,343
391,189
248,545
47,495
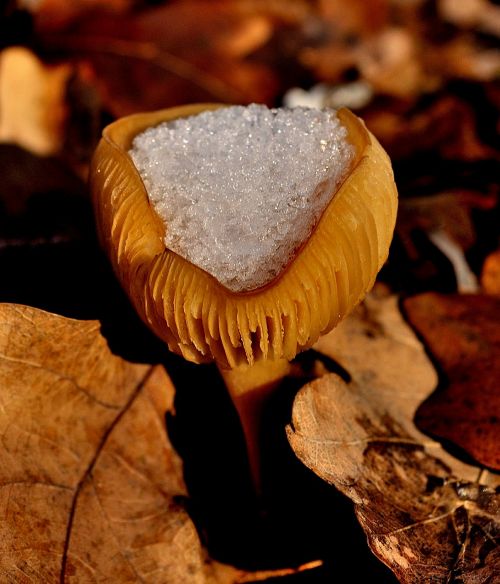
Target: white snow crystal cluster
241,188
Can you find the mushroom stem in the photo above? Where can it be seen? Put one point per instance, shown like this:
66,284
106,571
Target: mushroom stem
250,387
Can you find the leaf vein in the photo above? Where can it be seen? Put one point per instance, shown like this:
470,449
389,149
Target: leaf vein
91,466
61,376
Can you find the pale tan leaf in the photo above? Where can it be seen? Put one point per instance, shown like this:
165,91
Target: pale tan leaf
89,482
427,515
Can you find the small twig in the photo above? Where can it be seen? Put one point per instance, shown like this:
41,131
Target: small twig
262,575
466,280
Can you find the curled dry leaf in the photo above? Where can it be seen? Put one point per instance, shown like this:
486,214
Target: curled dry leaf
428,516
463,336
88,479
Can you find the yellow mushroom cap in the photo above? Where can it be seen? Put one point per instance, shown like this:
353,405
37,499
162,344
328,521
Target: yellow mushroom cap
195,314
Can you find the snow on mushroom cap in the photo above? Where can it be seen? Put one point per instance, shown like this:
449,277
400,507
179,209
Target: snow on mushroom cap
241,188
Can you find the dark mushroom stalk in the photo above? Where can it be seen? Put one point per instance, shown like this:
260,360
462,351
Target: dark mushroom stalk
252,335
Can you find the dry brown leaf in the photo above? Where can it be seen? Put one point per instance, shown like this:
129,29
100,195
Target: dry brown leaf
32,101
427,515
88,479
461,333
448,125
181,52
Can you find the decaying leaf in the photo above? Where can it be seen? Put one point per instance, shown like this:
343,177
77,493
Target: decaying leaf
140,61
428,516
463,336
89,483
32,101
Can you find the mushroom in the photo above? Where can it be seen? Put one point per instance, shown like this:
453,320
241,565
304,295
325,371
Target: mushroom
251,335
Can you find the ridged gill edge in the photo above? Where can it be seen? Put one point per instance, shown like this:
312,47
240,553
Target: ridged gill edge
196,315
